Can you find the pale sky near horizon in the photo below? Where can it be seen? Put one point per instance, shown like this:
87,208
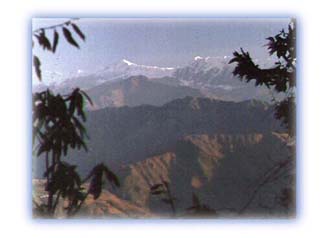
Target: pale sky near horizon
162,42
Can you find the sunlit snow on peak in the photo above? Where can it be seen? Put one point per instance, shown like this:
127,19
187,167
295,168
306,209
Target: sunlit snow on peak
128,62
198,58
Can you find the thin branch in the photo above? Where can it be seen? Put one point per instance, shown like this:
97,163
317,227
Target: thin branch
56,201
72,212
55,26
270,176
171,199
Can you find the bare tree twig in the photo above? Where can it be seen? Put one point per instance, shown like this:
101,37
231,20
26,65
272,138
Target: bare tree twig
55,26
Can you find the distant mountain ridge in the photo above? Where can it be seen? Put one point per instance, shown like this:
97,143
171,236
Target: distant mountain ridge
114,72
125,68
212,76
134,133
135,91
215,149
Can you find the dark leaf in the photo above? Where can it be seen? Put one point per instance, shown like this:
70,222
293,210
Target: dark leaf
156,186
80,127
157,192
49,170
55,41
74,175
95,170
43,148
166,184
87,97
111,177
43,41
37,64
80,143
80,196
95,186
69,38
72,106
78,31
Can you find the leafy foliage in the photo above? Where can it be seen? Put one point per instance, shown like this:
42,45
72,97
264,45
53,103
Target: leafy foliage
64,181
96,176
197,209
57,122
280,77
37,65
163,189
78,31
69,38
58,125
44,42
55,41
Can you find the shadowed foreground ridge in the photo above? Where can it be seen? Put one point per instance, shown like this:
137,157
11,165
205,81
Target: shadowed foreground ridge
217,151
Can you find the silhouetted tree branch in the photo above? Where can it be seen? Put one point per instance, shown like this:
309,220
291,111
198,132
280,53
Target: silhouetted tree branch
45,43
281,77
164,190
196,210
271,175
58,125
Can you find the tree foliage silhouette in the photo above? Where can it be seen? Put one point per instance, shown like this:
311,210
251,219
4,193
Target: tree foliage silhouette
197,209
58,125
281,77
163,189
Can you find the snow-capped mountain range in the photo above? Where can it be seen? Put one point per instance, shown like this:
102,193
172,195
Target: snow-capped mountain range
123,69
211,75
207,72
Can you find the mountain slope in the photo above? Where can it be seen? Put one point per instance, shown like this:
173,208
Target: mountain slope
212,76
215,149
107,205
129,134
135,91
112,73
223,170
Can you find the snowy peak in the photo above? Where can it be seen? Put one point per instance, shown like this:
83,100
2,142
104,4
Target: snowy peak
128,62
211,61
198,73
198,58
207,72
134,65
126,68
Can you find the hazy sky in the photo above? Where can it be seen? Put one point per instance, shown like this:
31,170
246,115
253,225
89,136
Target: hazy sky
161,42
